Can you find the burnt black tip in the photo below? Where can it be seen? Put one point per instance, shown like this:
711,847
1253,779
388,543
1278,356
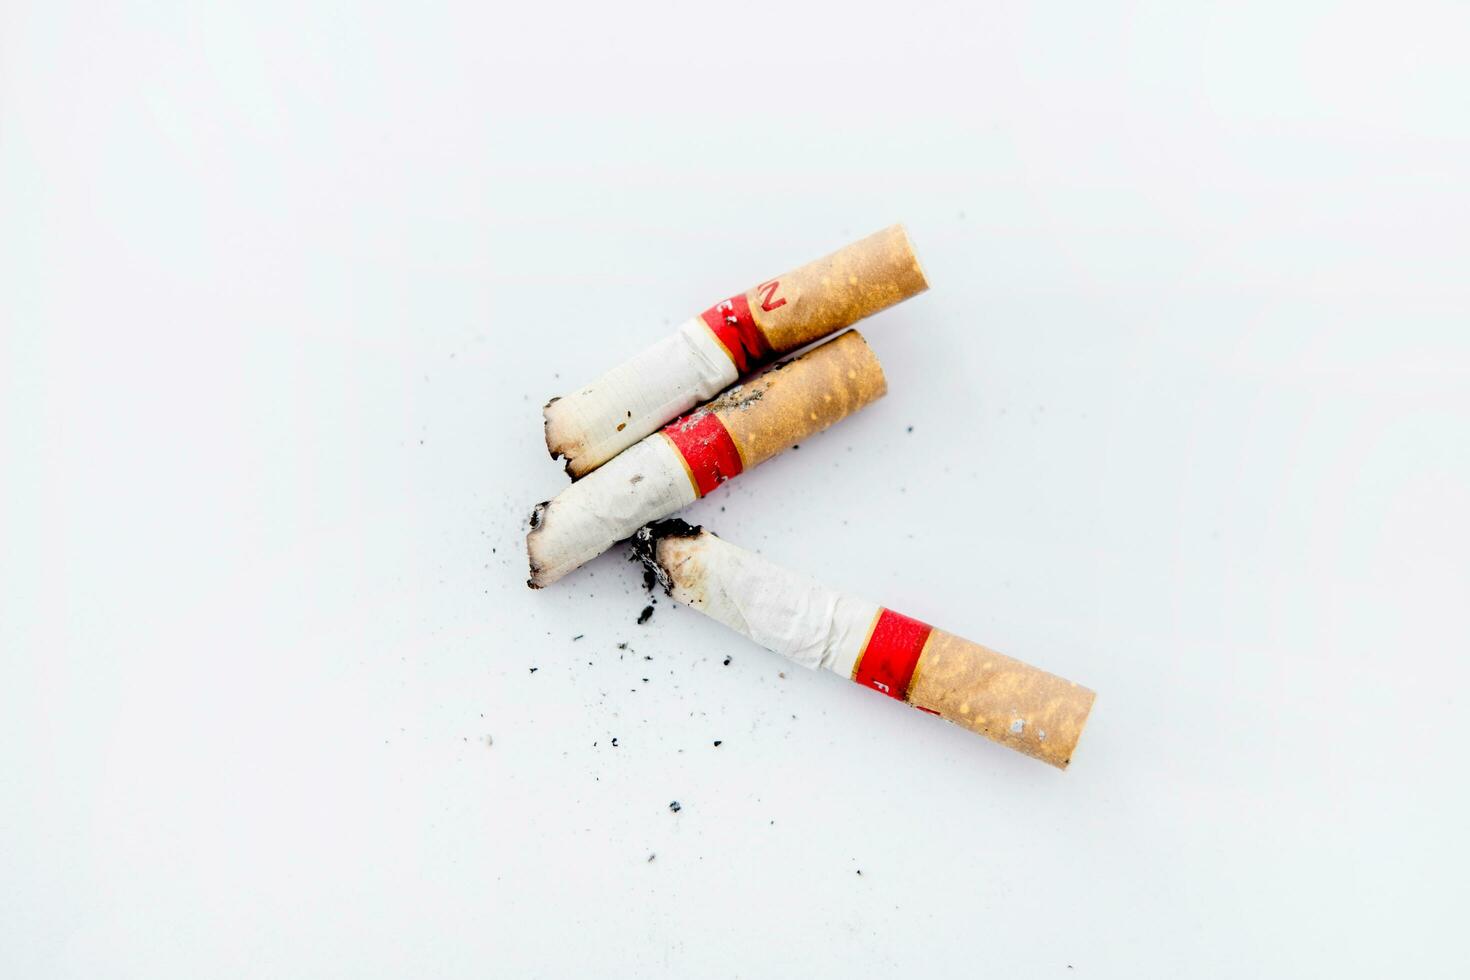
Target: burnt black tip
645,545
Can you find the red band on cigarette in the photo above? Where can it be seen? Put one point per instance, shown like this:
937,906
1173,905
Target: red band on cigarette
735,329
892,652
709,453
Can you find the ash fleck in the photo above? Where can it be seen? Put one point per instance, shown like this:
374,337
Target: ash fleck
717,742
645,615
727,661
534,669
911,428
674,805
578,637
614,743
651,857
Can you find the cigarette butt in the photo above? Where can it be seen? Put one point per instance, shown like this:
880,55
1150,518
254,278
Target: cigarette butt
733,338
695,454
1019,706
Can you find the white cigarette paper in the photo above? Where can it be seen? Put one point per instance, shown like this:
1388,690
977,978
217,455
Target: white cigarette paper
1019,706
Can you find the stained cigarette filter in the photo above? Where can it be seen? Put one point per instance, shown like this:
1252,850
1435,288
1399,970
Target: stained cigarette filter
695,454
731,339
1015,704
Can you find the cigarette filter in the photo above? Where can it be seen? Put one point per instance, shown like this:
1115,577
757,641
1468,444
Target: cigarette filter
670,469
1005,700
711,351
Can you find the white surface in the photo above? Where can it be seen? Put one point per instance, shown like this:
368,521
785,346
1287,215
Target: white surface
285,285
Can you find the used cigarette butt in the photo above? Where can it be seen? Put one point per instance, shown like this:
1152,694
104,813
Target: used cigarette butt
731,339
693,455
1015,704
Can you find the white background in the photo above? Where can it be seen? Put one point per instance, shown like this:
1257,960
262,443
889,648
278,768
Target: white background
283,287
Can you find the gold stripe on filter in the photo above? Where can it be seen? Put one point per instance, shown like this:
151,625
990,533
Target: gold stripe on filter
795,400
854,282
1013,703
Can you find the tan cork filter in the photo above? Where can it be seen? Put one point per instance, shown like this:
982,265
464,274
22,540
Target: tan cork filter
807,303
1003,699
786,404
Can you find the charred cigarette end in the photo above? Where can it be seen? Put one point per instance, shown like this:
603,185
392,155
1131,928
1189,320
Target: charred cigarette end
559,445
646,546
537,514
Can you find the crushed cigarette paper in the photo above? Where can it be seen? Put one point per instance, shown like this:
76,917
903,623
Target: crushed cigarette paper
672,468
731,339
1017,705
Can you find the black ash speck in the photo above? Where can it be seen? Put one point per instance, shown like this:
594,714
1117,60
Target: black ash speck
717,742
534,669
727,661
614,743
578,637
645,615
674,805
